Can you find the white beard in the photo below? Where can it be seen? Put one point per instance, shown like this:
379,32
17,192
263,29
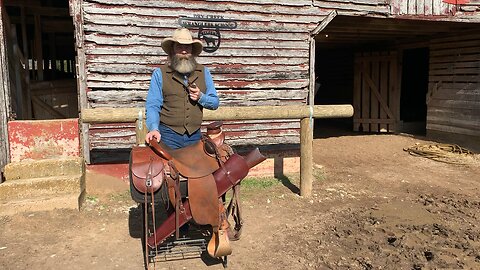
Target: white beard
183,65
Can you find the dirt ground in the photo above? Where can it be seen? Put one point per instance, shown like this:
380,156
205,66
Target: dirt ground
374,206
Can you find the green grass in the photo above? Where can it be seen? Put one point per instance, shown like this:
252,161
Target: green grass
259,182
252,184
319,174
91,198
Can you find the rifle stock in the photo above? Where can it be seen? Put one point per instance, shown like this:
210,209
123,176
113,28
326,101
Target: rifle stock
234,170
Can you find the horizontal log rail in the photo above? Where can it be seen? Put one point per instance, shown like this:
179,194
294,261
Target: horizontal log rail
304,113
130,115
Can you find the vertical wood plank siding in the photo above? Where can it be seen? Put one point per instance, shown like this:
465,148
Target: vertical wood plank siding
263,61
462,9
422,7
454,85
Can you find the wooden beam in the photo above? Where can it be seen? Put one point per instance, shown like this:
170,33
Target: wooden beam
4,95
76,11
311,85
38,47
130,115
47,108
21,106
324,23
306,157
140,131
52,54
25,42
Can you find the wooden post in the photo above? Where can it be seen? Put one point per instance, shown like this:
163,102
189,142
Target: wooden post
140,129
53,56
4,94
306,157
26,56
76,11
38,47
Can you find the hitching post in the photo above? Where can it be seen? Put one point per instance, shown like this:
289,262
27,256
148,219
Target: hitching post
304,113
306,157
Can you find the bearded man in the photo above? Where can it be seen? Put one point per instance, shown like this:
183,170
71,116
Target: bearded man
179,90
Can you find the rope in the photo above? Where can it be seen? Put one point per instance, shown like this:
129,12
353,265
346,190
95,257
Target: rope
447,153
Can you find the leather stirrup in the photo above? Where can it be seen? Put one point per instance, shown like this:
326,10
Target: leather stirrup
219,245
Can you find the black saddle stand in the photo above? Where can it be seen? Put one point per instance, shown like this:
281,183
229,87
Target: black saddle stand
193,245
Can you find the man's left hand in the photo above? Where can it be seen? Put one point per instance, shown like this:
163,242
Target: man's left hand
194,93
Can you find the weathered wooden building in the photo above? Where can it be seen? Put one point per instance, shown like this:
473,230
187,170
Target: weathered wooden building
396,61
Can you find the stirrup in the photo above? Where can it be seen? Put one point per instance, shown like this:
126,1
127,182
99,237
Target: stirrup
219,244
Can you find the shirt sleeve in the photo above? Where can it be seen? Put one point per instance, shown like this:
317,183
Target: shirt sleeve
154,102
209,100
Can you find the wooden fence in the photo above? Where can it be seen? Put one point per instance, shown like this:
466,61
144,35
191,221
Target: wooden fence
305,113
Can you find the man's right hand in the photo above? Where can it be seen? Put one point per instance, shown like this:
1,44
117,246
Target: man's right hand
154,134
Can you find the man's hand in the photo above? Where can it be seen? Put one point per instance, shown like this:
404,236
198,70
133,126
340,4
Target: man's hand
194,92
154,134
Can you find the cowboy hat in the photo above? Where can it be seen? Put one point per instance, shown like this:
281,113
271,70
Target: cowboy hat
182,36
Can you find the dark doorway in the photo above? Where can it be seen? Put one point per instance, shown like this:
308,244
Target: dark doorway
413,108
333,85
41,54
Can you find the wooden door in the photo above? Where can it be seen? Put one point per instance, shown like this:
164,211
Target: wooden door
376,95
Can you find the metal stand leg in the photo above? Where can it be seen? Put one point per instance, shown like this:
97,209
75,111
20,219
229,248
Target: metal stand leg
225,262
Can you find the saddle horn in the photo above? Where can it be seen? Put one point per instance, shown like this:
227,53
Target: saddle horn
159,150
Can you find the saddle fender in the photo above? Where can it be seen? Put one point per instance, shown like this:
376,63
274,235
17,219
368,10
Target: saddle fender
203,202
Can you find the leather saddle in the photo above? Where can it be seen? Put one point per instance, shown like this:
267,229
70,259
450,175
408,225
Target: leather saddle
196,163
192,161
148,164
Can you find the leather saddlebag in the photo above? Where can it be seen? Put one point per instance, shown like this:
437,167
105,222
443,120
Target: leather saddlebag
146,169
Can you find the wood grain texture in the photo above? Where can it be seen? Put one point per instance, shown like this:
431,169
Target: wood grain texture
454,85
129,115
264,61
4,96
306,157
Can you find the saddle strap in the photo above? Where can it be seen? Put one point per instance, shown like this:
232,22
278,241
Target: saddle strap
146,230
154,229
178,207
173,183
234,208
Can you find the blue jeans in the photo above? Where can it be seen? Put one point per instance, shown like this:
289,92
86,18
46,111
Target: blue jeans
175,140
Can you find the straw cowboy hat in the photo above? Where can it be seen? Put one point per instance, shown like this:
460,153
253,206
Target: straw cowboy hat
182,36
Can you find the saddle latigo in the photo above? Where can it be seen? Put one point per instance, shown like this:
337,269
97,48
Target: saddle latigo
210,168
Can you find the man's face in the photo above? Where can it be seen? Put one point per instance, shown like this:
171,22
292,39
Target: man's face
182,59
182,50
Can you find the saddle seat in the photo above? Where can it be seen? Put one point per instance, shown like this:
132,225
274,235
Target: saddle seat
191,161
